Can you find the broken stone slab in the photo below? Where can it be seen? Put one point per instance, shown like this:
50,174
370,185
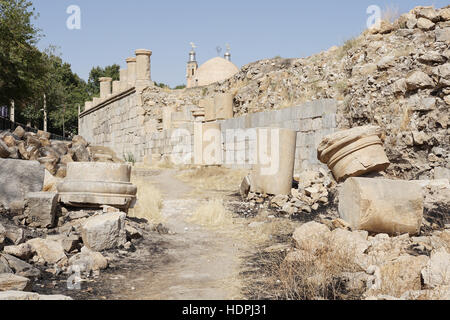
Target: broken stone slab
245,187
4,150
23,251
69,243
382,206
9,281
51,252
18,178
93,184
103,232
275,158
437,271
19,267
354,152
22,296
40,209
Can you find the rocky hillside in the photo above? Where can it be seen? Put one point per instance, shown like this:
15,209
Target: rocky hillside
397,76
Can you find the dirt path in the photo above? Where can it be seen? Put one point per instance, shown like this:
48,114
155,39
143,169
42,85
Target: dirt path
202,264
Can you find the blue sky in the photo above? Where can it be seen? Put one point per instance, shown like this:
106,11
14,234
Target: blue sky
255,29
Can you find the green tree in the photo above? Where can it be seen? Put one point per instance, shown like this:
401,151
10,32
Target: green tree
96,73
22,67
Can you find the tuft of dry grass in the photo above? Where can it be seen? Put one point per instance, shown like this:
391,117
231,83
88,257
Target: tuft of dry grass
149,202
308,274
213,178
212,215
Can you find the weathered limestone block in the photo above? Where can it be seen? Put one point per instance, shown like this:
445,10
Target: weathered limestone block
223,105
437,271
131,64
275,160
40,209
97,183
382,206
208,106
9,281
143,67
105,87
19,177
123,79
351,153
105,231
19,132
115,87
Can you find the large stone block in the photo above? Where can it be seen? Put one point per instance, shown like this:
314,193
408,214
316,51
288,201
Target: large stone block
18,178
208,106
95,184
275,158
351,153
382,206
40,209
223,105
104,232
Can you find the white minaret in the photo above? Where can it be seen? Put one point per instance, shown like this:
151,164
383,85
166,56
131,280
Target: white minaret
192,67
228,53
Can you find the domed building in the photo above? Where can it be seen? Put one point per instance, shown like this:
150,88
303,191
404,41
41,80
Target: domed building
214,70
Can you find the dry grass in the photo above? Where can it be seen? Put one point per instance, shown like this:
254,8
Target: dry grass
212,215
149,202
311,275
213,178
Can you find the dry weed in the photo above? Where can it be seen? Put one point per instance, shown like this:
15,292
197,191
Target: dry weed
212,215
149,202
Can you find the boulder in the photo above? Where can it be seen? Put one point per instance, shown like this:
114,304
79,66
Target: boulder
353,152
9,281
443,35
51,252
23,251
425,24
382,206
312,236
43,135
103,232
87,261
19,132
40,209
80,153
418,80
441,173
4,150
4,266
19,177
437,271
2,234
79,140
427,12
9,141
19,267
69,243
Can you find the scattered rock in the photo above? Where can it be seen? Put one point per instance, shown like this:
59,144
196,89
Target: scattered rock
40,209
51,252
9,281
105,231
437,271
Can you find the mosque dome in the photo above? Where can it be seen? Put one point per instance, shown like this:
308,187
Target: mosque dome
214,70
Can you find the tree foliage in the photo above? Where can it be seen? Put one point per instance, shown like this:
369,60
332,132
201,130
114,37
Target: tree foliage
22,66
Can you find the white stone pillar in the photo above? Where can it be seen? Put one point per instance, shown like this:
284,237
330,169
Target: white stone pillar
131,63
223,105
105,87
123,79
12,113
143,67
115,87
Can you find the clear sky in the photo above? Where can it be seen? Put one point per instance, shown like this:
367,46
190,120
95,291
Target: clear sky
255,29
